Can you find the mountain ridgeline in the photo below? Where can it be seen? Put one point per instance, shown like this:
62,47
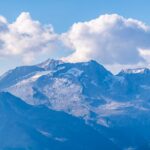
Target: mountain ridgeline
82,106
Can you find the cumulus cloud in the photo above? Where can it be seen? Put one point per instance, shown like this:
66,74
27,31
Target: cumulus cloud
27,38
109,39
112,40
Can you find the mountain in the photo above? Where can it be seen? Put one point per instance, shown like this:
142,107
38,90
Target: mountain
137,83
53,84
81,89
114,106
39,128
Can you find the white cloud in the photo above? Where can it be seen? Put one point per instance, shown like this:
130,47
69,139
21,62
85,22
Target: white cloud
112,40
27,38
109,39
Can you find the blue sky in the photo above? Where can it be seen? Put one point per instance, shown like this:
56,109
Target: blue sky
24,41
63,13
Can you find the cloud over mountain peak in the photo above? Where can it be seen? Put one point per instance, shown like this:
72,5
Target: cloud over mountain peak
110,39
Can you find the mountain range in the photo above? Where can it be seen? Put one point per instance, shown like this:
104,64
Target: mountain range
81,106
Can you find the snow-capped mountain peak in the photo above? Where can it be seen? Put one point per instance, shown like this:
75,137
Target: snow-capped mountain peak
84,89
135,71
80,89
50,64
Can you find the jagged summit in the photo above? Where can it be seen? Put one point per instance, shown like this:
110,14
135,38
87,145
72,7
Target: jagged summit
50,64
134,71
91,65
